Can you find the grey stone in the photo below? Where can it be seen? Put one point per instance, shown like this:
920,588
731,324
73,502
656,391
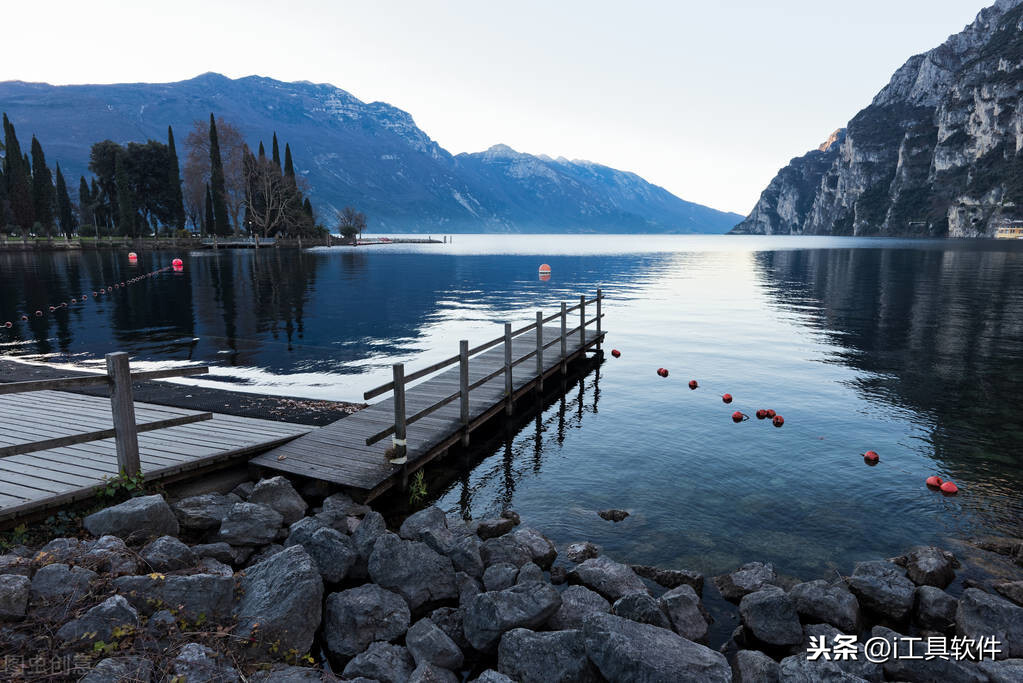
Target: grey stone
934,608
499,576
340,504
60,587
382,662
250,524
581,551
201,664
558,575
428,526
428,643
430,673
359,616
770,615
491,614
279,494
799,669
613,515
685,613
609,578
491,676
492,528
883,588
921,669
625,650
283,595
751,666
209,565
819,601
930,566
468,587
504,549
577,603
465,555
60,551
412,569
857,666
100,622
746,579
556,657
203,512
332,551
222,552
641,607
162,625
283,673
109,555
449,620
263,553
135,519
541,549
1003,671
244,489
981,615
167,554
193,597
13,564
1013,590
529,572
671,578
300,532
363,539
14,592
120,670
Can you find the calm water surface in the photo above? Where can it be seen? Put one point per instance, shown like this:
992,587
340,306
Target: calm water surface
910,348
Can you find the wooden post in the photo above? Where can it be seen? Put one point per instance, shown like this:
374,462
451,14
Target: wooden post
122,408
564,338
508,401
539,350
582,322
600,295
463,388
399,456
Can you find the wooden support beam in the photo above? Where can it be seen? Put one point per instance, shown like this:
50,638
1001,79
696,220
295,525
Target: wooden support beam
564,339
122,407
509,401
398,457
463,388
539,351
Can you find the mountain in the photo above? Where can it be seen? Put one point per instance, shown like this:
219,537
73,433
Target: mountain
935,154
369,155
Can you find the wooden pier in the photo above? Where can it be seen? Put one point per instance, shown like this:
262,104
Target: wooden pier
376,448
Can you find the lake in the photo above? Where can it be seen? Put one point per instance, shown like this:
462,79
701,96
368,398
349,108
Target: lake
911,348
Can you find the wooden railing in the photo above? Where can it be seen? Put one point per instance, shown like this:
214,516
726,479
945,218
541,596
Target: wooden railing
125,430
400,380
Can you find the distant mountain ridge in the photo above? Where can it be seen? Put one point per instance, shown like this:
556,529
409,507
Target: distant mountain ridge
369,155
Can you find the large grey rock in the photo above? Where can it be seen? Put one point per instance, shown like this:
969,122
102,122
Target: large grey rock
491,676
746,579
799,669
283,673
382,662
359,616
431,673
100,622
263,553
412,569
609,578
338,506
193,597
250,524
752,666
491,614
15,564
135,519
195,662
625,650
499,576
465,554
1013,590
209,565
279,494
364,538
428,526
883,588
685,612
577,603
167,554
504,549
529,572
333,552
428,643
220,551
982,615
14,592
1003,670
551,657
613,514
109,555
934,609
300,532
770,615
449,620
203,512
819,601
61,551
671,578
919,669
641,607
468,587
492,528
856,664
581,551
120,670
283,595
930,566
58,587
541,549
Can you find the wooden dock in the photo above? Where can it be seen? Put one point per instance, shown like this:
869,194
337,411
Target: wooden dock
425,419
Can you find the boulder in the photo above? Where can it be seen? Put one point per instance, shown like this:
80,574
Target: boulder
582,551
468,587
491,676
556,657
541,549
338,506
504,549
431,645
526,605
199,663
982,615
430,673
279,494
577,603
203,512
14,592
244,489
15,564
625,650
359,616
908,662
100,623
857,665
333,552
60,587
281,600
685,613
428,526
752,666
250,524
465,555
135,519
1003,670
412,569
558,575
609,578
167,554
283,673
671,578
529,572
382,662
819,601
499,576
642,608
930,566
109,555
1013,590
263,553
118,669
883,588
934,609
492,528
193,597
449,620
209,565
61,551
222,552
770,615
363,539
162,626
799,669
746,579
613,515
302,531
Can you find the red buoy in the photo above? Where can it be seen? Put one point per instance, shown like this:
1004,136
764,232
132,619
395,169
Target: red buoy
74,301
132,256
39,314
777,420
8,324
738,417
950,489
616,353
934,481
663,372
693,384
177,262
761,414
52,309
871,456
770,413
24,318
727,398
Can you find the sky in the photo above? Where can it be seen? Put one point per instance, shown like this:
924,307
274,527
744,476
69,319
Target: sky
707,99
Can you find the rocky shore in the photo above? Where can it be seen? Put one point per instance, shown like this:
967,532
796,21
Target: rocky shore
259,585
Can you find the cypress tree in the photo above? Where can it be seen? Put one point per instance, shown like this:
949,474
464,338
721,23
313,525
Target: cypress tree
19,183
208,220
221,225
262,152
174,196
65,217
84,204
276,152
125,199
289,168
42,187
307,206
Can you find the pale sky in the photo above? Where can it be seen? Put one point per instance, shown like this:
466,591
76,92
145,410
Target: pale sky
708,99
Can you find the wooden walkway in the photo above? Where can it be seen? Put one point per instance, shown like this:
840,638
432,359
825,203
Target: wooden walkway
32,482
338,452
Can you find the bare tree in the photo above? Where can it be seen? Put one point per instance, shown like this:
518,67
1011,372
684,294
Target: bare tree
350,223
274,204
197,169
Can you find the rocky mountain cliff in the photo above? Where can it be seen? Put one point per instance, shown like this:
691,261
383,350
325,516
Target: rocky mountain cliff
369,155
937,152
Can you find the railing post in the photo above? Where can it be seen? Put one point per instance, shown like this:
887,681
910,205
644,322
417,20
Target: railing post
399,457
600,295
539,350
122,409
564,338
463,387
582,322
509,401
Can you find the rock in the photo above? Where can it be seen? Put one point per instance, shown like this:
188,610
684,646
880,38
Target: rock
746,579
363,539
625,650
981,615
581,551
770,615
430,673
209,565
882,587
1003,545
934,609
671,578
60,550
1013,590
819,601
193,597
412,569
283,595
167,554
609,578
491,614
199,663
559,656
302,531
279,494
250,524
1003,671
428,526
857,664
14,592
203,512
264,553
382,662
162,625
468,587
642,608
222,552
118,669
359,616
449,620
504,549
751,666
339,505
541,549
244,489
558,575
499,576
431,645
919,669
333,552
613,515
135,519
100,622
465,555
109,555
930,566
491,676
492,528
685,613
283,673
57,587
799,669
529,572
13,564
577,603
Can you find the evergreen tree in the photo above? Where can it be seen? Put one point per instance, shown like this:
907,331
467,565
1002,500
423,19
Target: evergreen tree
262,152
208,220
175,198
220,226
19,182
85,204
125,199
65,216
308,208
289,168
276,152
42,187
